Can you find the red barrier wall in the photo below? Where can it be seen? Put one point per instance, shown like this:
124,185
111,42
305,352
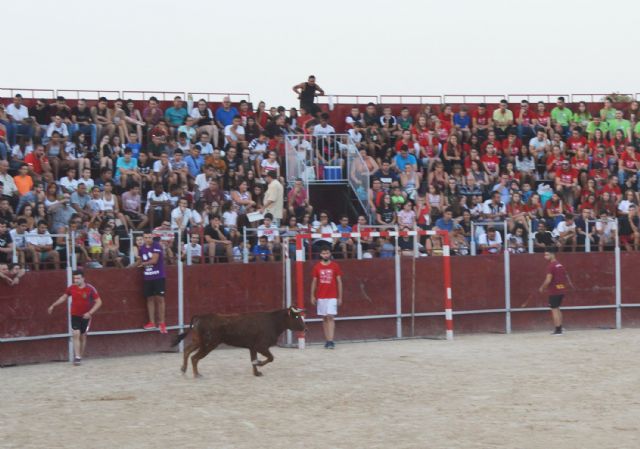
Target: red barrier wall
369,289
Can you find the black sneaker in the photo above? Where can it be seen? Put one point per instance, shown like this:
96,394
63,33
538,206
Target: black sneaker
557,332
77,361
332,345
327,345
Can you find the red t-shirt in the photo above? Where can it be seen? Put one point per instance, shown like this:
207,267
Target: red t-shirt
82,299
628,160
553,163
446,121
615,192
579,164
491,163
558,284
527,118
575,143
327,286
543,118
568,176
35,163
481,119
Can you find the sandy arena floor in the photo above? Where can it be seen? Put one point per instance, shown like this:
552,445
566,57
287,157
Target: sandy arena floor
483,391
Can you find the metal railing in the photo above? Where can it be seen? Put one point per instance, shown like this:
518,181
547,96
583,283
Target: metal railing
358,176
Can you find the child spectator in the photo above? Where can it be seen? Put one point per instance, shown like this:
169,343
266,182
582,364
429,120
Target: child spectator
262,252
110,247
192,251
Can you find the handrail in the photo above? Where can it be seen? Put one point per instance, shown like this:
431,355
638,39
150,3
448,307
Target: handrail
387,99
536,97
220,95
14,90
591,96
447,98
335,99
146,94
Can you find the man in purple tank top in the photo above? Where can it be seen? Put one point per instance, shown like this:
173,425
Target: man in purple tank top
152,260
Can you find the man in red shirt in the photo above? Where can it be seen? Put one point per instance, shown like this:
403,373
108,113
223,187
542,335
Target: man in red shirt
567,182
555,283
481,122
327,277
37,162
85,302
613,188
628,164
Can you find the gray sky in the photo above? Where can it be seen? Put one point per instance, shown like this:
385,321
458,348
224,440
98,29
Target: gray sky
353,47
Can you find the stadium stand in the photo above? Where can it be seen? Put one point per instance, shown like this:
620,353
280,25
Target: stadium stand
499,172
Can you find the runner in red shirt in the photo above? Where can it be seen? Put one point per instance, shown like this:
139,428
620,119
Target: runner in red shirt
85,302
556,285
327,277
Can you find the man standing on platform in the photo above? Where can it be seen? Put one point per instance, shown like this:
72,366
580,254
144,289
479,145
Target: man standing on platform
152,259
327,277
85,302
556,285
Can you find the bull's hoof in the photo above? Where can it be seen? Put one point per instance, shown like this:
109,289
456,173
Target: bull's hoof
257,373
183,369
197,376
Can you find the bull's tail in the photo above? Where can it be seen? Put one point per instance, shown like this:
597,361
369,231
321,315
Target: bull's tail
178,338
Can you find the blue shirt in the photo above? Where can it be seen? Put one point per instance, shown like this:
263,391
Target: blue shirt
462,122
445,225
226,117
341,228
401,162
261,252
194,164
121,163
135,149
176,117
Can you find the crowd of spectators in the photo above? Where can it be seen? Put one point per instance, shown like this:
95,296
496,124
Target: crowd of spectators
559,175
92,174
96,175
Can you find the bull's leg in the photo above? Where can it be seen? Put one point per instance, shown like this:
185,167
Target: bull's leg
269,357
255,363
201,354
187,352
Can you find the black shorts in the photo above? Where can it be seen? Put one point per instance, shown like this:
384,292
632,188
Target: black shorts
555,301
153,287
79,323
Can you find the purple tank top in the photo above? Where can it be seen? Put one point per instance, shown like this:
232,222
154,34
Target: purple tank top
154,271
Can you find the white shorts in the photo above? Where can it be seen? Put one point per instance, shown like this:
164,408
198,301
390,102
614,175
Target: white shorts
327,307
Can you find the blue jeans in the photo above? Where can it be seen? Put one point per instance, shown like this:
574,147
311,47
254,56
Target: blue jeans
85,129
3,151
525,131
14,129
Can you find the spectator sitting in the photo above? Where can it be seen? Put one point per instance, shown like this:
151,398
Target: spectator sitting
40,247
261,251
606,231
515,241
192,251
217,244
565,232
543,239
346,245
234,134
11,274
225,113
298,200
446,222
490,242
271,231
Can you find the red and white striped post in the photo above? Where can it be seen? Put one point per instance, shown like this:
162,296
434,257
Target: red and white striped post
446,260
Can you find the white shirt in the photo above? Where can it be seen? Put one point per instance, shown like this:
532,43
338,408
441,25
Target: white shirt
194,248
19,240
195,113
488,208
355,136
319,130
201,181
17,153
157,166
185,215
69,184
17,114
229,135
484,240
39,239
624,206
62,129
606,228
87,182
205,148
563,227
270,232
151,196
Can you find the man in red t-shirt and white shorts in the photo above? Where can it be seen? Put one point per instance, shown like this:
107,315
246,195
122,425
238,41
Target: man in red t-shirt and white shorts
85,301
327,277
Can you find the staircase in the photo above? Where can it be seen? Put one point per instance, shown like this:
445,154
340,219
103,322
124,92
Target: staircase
337,199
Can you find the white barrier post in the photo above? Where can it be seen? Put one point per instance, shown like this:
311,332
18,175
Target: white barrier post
287,280
180,289
69,282
618,280
131,244
507,283
398,289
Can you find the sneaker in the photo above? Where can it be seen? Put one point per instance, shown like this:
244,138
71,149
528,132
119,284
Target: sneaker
163,328
558,332
327,345
77,361
332,345
150,325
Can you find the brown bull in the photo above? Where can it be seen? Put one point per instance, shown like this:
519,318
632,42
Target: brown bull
254,331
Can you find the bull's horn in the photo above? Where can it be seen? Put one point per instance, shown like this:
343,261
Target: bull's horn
295,310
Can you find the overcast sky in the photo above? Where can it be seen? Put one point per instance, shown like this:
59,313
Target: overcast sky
353,47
